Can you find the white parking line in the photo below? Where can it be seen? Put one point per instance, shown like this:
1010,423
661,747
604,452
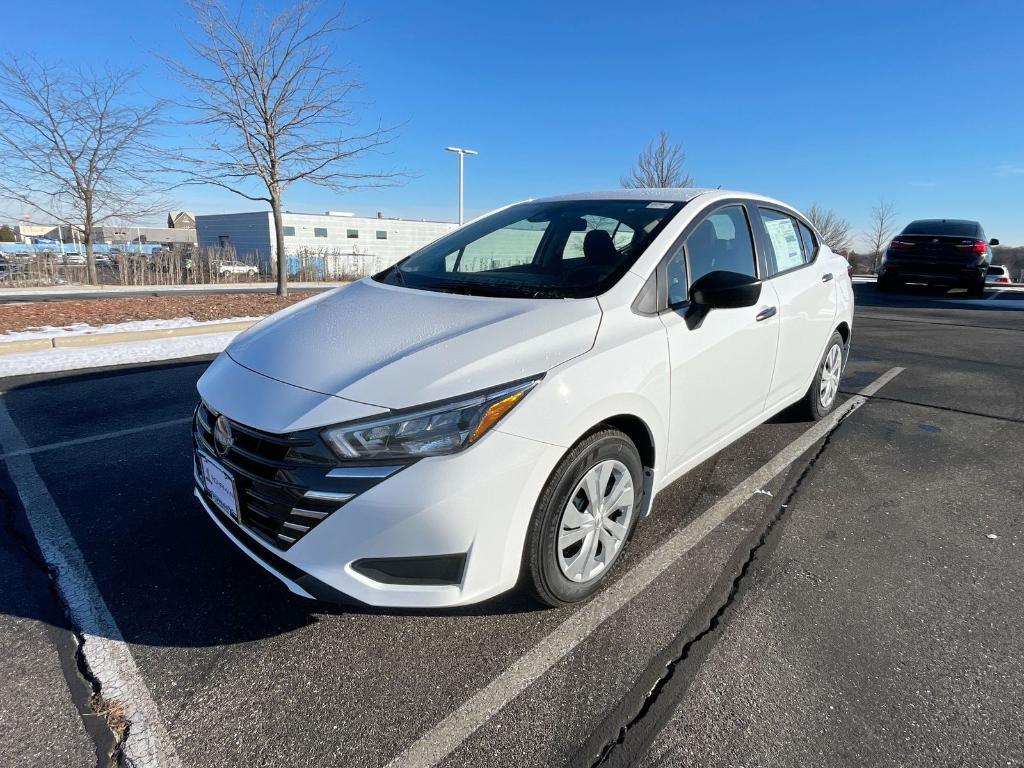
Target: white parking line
93,438
148,744
446,736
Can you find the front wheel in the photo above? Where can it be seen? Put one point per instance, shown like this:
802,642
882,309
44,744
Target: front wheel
824,390
584,518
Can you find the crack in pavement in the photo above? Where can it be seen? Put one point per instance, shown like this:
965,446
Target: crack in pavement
82,684
634,737
947,408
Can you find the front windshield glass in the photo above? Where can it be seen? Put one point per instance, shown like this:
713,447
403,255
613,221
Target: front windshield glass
565,249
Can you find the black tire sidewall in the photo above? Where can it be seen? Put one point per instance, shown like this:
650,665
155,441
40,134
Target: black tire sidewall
550,584
814,406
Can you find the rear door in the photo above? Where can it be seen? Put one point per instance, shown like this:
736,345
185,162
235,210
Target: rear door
806,290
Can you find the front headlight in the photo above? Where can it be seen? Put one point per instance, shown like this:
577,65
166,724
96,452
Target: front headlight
430,431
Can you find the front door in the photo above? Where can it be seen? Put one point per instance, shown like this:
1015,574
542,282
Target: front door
721,370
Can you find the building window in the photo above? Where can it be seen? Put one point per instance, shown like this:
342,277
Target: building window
319,231
353,234
289,231
382,234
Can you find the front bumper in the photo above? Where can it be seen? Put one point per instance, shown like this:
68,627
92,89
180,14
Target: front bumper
473,506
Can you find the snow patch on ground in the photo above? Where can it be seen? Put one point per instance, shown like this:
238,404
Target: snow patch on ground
66,359
84,329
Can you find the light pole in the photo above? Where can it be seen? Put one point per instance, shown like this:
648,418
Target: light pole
462,154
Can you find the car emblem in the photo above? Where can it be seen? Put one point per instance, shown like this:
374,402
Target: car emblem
222,437
935,239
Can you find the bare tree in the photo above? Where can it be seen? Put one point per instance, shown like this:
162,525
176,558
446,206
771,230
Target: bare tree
833,228
75,147
275,109
883,227
659,165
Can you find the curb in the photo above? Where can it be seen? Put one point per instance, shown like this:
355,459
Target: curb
116,337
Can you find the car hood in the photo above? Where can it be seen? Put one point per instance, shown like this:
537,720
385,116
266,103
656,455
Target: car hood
396,347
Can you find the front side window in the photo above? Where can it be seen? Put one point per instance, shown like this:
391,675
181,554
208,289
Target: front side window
787,250
721,242
319,232
557,249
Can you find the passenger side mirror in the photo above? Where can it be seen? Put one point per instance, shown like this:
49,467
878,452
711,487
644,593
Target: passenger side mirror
721,290
993,241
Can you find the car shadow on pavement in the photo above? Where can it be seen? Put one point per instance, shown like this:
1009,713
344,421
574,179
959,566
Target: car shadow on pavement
929,297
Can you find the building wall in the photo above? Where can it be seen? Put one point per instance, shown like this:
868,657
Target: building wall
248,233
127,234
402,236
253,234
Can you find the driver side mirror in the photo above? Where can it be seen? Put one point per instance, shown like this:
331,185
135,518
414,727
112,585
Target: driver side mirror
721,290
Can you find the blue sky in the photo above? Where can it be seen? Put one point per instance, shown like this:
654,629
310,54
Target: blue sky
837,103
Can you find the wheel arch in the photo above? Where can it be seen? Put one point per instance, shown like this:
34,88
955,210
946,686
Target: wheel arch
640,434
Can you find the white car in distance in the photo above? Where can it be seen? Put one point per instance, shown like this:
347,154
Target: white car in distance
235,268
503,406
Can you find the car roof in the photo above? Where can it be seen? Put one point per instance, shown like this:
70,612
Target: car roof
668,194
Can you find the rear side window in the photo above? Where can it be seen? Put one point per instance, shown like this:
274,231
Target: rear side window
787,250
721,242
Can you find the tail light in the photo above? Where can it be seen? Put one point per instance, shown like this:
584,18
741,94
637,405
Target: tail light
973,246
1002,280
897,244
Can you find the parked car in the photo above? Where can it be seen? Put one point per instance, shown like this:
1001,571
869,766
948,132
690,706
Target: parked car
998,275
948,252
8,269
228,268
74,259
510,398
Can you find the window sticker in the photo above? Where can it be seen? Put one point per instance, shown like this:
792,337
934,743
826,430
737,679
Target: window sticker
659,206
785,243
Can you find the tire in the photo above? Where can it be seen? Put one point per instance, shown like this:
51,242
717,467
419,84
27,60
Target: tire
886,285
976,291
815,405
545,567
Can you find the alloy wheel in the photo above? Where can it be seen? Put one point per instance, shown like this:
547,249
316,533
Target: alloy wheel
596,521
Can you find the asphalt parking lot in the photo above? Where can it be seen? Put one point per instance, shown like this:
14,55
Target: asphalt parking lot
862,606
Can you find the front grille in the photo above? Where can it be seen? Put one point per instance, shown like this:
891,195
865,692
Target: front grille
282,481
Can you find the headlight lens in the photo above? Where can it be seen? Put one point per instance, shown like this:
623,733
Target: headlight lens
432,431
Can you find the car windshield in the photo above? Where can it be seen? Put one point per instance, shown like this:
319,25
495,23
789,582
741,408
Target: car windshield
946,227
559,249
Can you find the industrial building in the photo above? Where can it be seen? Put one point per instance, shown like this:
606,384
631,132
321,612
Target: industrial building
381,240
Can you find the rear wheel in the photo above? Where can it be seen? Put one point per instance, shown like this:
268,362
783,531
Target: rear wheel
824,390
977,290
584,518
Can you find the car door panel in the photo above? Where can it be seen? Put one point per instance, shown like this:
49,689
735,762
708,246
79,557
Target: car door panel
720,374
721,368
803,276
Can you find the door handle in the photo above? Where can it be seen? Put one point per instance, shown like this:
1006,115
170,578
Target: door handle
765,313
826,277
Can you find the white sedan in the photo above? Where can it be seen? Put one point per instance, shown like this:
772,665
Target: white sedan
509,400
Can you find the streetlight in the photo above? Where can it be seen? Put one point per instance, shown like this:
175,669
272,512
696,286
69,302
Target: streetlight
461,153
